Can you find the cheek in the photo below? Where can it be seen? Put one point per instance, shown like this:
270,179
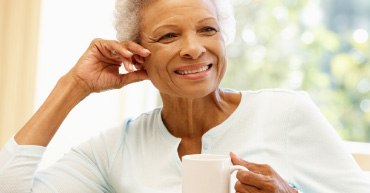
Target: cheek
160,57
218,49
223,67
153,70
156,65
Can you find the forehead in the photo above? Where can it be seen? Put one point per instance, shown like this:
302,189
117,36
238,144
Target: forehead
159,11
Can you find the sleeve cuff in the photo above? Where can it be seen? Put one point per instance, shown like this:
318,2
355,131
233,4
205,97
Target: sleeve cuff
295,187
14,148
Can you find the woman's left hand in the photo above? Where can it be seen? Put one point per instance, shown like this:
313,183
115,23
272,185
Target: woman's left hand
260,178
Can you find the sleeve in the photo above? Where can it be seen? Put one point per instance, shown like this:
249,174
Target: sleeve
84,169
18,165
317,156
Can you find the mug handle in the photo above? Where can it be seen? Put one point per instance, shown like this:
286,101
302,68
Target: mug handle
237,167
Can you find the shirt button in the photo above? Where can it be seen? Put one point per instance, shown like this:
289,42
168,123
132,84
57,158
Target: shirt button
205,146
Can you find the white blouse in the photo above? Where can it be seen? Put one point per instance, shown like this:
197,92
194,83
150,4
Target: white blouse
277,127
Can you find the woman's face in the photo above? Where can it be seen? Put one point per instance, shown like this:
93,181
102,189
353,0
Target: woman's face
187,50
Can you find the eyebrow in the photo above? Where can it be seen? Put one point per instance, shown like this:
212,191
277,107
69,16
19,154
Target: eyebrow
207,18
173,25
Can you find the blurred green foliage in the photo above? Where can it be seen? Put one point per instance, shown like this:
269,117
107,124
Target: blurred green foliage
308,45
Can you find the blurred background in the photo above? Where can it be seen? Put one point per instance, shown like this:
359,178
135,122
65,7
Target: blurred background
321,47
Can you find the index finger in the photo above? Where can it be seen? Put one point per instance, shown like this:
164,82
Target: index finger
253,179
136,48
254,167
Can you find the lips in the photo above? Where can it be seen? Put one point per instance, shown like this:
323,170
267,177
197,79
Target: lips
193,69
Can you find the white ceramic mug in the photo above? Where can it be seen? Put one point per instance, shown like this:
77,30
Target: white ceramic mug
207,173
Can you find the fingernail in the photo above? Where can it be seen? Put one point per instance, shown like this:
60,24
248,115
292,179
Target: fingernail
128,53
233,154
146,52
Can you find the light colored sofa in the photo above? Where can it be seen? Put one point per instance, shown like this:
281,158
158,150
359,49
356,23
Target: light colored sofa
361,153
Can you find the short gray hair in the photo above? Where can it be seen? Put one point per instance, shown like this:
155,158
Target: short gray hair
127,19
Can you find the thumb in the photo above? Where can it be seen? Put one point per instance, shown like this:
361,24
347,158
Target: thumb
132,77
236,160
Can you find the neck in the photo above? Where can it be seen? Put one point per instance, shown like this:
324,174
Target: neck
191,118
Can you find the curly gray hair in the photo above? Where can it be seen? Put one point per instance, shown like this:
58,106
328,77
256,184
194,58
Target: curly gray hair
127,19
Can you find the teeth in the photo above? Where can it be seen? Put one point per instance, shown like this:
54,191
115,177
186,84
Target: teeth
185,72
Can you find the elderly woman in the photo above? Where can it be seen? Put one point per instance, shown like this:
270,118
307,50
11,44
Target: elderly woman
180,47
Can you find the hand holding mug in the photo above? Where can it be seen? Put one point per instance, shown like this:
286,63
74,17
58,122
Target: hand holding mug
260,178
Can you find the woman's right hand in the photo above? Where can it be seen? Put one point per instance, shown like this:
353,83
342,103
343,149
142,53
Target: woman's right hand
98,68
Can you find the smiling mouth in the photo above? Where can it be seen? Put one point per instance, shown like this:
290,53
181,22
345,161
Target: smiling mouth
199,70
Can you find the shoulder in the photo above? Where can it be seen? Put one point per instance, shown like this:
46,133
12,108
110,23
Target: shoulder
104,147
294,109
112,138
145,120
277,99
297,103
116,136
275,93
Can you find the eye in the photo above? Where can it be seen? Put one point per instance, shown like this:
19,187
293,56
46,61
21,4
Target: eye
209,30
167,37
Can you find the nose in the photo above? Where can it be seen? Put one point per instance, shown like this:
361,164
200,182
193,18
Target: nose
192,47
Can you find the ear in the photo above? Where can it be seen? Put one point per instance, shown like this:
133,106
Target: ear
138,62
139,67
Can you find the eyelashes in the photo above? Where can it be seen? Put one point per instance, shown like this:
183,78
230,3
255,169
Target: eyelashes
209,30
169,37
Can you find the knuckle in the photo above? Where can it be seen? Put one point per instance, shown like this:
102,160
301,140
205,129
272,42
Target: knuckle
95,43
271,187
263,165
134,46
266,166
125,43
96,40
271,184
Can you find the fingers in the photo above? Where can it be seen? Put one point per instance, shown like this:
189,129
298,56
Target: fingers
236,160
140,53
260,176
241,188
253,167
132,77
245,177
136,48
104,50
129,53
253,179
